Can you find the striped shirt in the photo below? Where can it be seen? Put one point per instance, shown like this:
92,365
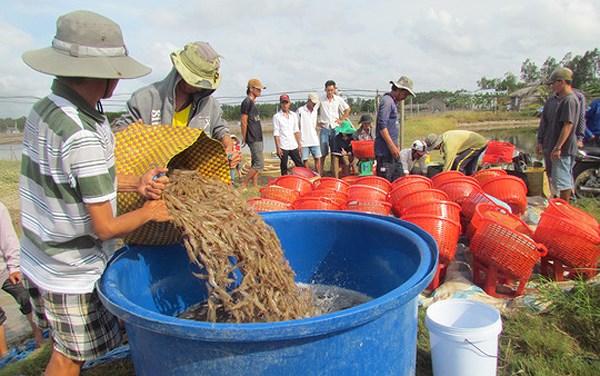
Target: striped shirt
67,162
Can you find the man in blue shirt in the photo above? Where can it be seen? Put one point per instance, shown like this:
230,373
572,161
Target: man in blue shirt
387,152
592,123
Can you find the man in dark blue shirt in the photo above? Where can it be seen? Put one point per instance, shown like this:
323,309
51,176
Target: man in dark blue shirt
387,152
592,123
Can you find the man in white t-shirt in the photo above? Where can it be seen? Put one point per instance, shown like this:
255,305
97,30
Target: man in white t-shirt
308,131
286,132
333,111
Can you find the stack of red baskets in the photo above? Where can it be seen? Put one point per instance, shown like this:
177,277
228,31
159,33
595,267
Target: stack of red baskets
297,183
489,173
458,189
265,204
445,176
417,197
572,237
509,189
408,184
369,194
275,192
430,209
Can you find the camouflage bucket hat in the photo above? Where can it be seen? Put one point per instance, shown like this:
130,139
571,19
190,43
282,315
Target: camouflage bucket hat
198,64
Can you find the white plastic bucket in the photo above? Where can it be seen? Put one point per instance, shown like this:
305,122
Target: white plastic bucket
464,337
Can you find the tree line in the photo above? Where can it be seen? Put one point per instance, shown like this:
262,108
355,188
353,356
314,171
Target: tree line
586,73
493,95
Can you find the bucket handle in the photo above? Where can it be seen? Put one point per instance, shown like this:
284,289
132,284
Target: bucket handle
480,350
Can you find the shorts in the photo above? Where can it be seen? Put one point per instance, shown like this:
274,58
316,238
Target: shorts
257,157
20,295
81,327
314,150
561,176
326,140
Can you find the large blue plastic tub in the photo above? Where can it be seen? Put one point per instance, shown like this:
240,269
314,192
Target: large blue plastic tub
385,258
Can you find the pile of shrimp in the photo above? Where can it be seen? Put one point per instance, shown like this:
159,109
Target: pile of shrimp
225,237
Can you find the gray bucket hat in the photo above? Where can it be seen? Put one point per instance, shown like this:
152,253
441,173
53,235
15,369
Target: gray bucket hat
404,83
86,45
198,64
433,141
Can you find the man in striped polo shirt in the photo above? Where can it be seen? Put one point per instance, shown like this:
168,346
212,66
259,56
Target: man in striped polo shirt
68,188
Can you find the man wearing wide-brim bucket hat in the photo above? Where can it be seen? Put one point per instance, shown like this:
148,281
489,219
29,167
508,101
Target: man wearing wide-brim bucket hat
461,149
68,188
387,150
184,97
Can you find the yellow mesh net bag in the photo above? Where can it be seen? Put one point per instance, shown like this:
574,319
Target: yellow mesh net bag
140,147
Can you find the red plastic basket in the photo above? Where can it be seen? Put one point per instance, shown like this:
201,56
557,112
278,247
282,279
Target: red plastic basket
445,176
275,192
446,209
297,183
265,205
338,197
498,152
469,204
314,203
568,241
373,207
364,149
331,183
404,189
374,181
361,192
407,179
509,189
305,173
444,231
417,197
560,208
489,173
511,252
459,189
350,178
498,214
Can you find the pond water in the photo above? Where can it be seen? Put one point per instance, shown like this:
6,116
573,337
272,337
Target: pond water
524,139
10,152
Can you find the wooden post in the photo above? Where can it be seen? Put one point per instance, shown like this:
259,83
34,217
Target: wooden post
401,124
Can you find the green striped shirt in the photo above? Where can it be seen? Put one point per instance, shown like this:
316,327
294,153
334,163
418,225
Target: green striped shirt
67,162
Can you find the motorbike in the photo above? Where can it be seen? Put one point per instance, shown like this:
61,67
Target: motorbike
586,172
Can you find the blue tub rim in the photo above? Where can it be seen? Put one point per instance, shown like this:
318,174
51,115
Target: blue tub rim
314,326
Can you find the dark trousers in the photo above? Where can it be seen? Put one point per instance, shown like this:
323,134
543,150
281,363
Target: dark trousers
389,168
20,295
296,157
466,162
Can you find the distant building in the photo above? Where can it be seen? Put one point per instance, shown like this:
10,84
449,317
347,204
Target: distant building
520,99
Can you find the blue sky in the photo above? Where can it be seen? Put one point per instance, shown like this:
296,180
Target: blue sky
297,45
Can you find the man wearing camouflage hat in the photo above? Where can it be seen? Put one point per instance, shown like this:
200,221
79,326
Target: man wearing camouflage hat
67,188
184,97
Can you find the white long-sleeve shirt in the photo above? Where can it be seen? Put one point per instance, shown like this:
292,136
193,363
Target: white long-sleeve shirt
408,163
9,245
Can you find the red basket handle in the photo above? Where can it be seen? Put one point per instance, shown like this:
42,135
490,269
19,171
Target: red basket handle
542,249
